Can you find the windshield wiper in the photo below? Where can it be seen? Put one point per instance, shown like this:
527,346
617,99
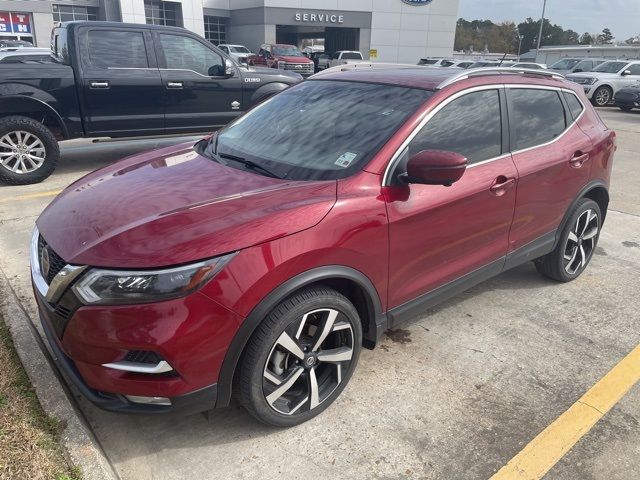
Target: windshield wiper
250,164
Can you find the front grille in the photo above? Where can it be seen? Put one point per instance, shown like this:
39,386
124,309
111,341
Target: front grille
302,68
56,263
143,356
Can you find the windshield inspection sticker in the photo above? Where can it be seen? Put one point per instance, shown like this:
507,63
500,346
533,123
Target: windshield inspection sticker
345,159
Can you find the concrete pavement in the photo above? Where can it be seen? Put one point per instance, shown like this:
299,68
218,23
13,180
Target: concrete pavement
456,394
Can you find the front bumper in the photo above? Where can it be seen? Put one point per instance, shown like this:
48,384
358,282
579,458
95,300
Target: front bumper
194,402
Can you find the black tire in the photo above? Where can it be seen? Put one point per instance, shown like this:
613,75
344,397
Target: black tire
9,128
602,96
574,250
626,109
267,368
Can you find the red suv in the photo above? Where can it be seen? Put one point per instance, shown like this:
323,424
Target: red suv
261,259
284,57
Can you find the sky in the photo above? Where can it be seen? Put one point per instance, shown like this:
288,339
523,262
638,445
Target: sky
621,16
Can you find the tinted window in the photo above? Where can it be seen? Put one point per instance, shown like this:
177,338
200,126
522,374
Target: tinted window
574,105
185,53
320,129
351,56
117,49
469,125
537,116
634,69
610,67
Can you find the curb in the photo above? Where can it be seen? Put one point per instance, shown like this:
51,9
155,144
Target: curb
76,438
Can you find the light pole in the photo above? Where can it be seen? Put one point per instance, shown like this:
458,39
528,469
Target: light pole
521,37
544,7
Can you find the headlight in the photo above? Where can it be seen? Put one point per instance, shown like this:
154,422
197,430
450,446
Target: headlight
109,287
281,65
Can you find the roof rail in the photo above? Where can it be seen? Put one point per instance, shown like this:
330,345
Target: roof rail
478,72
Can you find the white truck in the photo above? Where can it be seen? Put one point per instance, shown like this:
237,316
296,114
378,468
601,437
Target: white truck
345,57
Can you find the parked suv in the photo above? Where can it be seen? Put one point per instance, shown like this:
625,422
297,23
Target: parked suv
284,57
263,258
601,84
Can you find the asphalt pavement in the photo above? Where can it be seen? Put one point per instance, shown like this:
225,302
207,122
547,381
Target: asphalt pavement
453,395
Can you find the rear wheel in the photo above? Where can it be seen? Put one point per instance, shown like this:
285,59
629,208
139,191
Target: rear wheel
28,151
602,96
300,358
576,246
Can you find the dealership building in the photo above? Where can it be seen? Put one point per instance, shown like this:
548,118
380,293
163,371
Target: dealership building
396,30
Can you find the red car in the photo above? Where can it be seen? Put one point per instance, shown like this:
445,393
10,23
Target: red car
261,259
284,57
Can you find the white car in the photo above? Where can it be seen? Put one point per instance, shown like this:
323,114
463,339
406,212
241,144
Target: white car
25,55
344,57
237,52
601,84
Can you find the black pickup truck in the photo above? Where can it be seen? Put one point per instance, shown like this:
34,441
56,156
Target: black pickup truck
108,79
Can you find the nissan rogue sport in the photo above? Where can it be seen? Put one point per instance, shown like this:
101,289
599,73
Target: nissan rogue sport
260,260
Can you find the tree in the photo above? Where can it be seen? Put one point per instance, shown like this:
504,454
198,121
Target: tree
606,37
633,40
571,38
586,39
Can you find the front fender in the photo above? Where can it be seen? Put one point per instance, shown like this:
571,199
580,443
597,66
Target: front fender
266,91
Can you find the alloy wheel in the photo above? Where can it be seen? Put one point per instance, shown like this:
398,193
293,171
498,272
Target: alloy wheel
581,242
307,361
21,152
603,96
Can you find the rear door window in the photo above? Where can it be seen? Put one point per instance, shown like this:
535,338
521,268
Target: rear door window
575,107
537,117
470,125
117,49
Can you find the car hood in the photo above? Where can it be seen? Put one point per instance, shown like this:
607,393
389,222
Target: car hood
598,75
174,206
284,58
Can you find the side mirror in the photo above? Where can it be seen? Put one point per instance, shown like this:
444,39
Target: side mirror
229,68
435,167
626,72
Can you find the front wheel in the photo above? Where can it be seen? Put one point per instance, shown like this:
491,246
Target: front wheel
602,96
300,358
576,246
28,151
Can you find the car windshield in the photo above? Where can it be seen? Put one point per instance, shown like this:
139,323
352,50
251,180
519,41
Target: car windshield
318,130
287,51
352,56
566,64
239,49
610,67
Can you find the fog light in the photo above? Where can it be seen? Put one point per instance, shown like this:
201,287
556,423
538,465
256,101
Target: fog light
148,400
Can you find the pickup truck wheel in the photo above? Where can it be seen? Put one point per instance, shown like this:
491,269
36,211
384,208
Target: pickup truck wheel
28,151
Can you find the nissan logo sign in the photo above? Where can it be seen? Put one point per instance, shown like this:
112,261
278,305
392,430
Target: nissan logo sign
417,3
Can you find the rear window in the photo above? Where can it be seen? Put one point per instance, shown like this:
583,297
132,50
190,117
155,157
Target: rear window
575,107
426,61
117,49
537,116
351,56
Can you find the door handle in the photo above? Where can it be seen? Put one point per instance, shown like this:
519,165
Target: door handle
175,85
99,84
579,159
501,185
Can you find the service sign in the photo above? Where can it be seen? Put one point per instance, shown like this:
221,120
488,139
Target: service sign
417,3
11,22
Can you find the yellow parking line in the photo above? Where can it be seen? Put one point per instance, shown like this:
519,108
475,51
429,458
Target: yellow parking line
16,198
544,451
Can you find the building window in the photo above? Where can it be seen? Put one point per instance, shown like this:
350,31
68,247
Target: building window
163,13
69,13
215,29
